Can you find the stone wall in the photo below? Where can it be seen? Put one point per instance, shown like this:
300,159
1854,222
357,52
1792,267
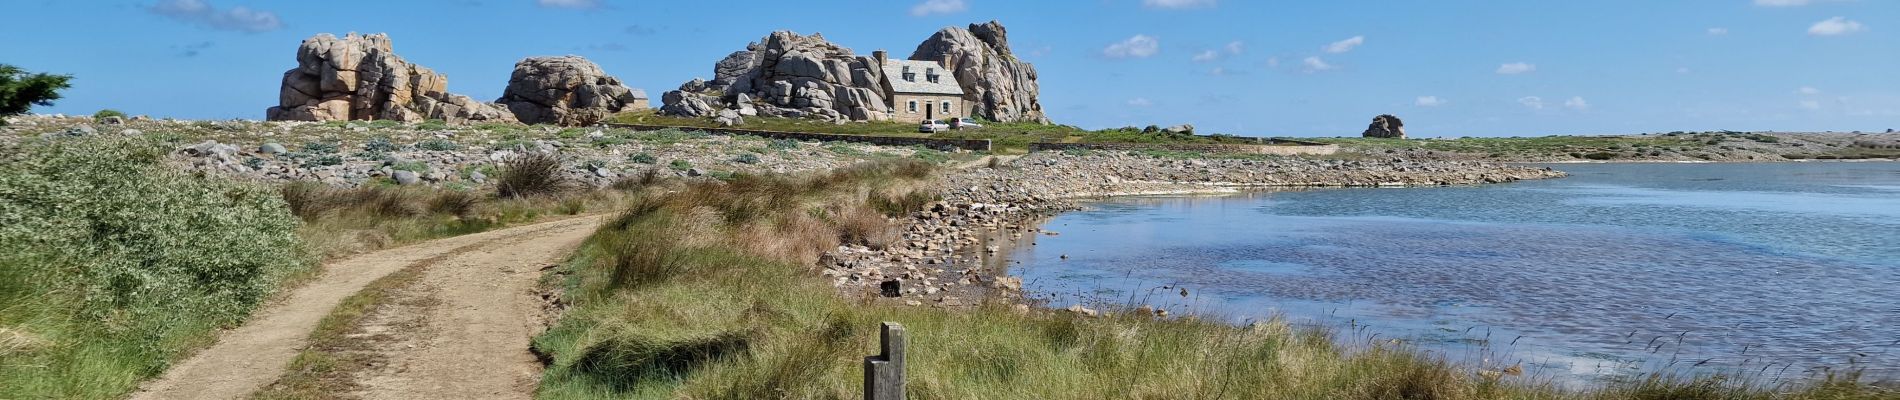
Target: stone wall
900,107
939,144
1270,146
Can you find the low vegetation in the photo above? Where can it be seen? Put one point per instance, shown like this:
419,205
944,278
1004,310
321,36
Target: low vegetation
704,290
1005,137
114,264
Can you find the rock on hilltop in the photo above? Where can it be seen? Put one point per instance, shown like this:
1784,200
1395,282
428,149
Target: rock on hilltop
791,75
1385,126
787,75
359,77
998,86
566,90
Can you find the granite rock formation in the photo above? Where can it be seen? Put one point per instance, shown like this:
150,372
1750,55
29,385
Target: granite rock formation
1385,126
359,77
786,75
998,86
790,75
566,90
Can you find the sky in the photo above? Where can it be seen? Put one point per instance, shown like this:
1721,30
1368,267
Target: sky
1449,68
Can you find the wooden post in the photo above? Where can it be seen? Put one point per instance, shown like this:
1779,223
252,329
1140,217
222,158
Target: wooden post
884,373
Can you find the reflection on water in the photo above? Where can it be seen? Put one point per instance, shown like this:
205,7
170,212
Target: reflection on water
1620,268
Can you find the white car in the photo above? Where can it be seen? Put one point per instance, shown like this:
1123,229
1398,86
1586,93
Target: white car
931,126
964,123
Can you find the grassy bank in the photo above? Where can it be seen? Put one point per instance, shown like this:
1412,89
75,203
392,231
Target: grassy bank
704,291
113,264
1007,138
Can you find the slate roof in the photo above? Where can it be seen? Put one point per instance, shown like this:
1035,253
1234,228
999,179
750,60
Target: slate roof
920,70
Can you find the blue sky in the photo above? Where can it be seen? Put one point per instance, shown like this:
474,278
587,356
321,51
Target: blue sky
1257,68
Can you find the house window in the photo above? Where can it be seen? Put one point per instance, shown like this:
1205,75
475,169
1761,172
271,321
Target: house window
945,108
913,106
909,76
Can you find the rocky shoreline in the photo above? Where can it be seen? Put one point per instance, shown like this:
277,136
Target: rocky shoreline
948,255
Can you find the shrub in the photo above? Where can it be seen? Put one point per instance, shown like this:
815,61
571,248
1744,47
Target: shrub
384,124
746,158
433,125
320,147
102,114
643,158
115,262
680,165
438,144
380,144
1600,155
783,144
532,174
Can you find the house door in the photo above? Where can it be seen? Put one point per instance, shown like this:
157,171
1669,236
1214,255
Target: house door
928,114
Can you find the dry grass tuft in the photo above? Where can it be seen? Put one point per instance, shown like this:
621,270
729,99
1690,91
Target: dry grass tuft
532,174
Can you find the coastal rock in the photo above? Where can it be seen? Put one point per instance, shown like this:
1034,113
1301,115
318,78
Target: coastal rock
786,75
998,86
360,77
567,90
1385,126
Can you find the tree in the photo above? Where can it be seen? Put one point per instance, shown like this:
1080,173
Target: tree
21,90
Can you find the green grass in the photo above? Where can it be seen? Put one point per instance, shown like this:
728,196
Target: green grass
703,290
1010,138
115,263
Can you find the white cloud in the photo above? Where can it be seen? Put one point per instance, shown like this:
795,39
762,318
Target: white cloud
1177,4
1516,68
1140,102
239,18
1429,101
1235,47
1835,26
1810,105
1314,64
1206,56
574,4
1139,46
1345,45
1808,90
1718,31
1576,103
1273,62
1217,71
1534,102
930,7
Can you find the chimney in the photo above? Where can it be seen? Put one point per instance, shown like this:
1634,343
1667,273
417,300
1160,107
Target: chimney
879,55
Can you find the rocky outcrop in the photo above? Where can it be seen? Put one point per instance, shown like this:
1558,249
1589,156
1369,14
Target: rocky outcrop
998,86
786,75
789,75
359,77
1385,126
566,90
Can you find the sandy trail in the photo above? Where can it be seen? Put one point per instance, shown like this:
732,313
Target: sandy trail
474,344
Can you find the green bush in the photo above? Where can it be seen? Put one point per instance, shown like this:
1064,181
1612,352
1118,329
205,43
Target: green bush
21,90
644,158
115,262
433,125
380,144
783,144
384,124
746,158
102,114
320,147
1600,155
680,165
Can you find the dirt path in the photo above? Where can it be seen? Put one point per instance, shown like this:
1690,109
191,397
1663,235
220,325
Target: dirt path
472,342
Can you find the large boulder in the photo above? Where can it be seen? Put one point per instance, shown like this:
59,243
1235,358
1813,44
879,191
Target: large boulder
1385,126
998,86
566,91
786,75
360,77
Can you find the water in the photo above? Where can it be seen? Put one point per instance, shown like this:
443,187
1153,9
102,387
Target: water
1766,269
